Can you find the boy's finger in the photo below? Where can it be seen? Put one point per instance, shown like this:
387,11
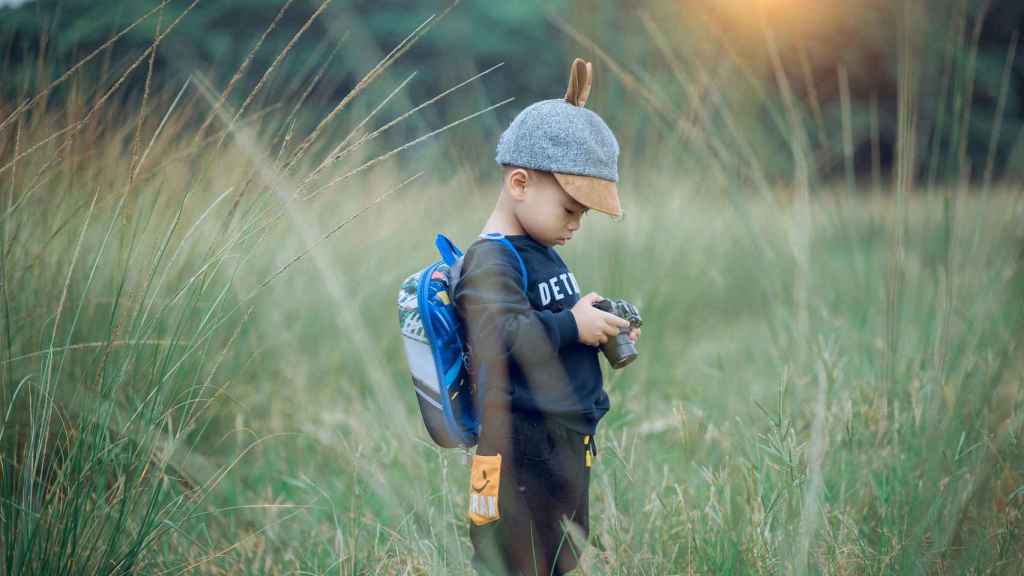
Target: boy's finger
615,320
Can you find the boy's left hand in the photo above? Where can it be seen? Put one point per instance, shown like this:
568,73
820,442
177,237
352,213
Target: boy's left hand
634,335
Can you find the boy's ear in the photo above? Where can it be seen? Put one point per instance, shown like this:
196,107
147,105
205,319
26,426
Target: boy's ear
516,181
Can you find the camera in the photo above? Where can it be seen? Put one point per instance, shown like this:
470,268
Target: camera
620,350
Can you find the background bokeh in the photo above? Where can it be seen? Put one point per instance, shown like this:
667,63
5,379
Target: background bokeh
961,57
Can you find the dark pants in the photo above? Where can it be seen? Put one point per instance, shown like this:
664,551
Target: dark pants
544,485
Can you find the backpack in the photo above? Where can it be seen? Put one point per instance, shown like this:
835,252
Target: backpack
437,356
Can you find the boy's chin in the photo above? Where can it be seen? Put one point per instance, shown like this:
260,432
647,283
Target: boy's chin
550,241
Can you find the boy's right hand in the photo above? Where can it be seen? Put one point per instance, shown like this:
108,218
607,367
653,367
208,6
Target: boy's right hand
595,326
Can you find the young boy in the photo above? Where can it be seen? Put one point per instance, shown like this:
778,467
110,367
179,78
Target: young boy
534,352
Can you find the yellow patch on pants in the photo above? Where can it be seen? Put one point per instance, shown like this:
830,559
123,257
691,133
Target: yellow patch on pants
484,479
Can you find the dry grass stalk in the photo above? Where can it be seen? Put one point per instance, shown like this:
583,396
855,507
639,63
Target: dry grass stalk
339,153
366,80
277,61
35,99
75,127
132,170
241,71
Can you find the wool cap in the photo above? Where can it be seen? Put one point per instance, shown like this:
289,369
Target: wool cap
573,143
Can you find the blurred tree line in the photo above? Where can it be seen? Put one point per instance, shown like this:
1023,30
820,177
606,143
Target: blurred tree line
724,67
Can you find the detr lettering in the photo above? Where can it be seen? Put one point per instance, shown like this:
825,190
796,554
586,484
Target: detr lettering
553,287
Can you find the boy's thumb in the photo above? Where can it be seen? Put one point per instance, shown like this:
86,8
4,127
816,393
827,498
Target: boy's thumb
592,297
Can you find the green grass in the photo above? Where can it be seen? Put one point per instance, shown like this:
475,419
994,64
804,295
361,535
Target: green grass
829,385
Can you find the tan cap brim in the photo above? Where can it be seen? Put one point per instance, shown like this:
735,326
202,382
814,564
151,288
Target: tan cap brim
599,194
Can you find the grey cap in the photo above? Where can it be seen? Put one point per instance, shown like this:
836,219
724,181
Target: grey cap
570,141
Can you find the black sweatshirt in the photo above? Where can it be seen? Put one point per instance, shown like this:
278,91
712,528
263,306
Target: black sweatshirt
528,343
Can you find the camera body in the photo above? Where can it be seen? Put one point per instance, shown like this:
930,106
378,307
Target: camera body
620,350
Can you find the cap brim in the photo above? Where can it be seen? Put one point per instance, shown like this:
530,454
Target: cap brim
597,193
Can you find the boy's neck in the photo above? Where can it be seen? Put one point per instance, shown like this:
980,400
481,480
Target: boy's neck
503,221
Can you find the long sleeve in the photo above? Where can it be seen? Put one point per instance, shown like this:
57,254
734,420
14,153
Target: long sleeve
498,316
524,344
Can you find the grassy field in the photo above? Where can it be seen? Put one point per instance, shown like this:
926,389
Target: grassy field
202,368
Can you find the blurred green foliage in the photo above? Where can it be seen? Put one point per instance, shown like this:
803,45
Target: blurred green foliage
967,101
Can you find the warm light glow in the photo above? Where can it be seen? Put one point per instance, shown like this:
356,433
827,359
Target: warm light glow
811,23
786,16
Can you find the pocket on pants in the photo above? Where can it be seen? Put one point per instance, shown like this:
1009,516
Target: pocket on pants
484,480
533,442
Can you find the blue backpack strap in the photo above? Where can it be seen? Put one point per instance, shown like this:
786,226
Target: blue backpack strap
501,238
449,251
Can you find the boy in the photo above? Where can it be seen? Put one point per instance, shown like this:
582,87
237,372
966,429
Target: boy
534,352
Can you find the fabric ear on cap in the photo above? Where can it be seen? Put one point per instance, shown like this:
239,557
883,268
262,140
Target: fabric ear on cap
601,195
580,80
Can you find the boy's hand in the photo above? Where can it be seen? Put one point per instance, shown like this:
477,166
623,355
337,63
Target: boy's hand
634,335
596,326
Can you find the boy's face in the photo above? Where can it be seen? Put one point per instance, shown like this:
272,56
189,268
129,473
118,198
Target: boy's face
544,210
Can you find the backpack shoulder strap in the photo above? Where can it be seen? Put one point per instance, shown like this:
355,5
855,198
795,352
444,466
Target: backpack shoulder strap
449,251
501,238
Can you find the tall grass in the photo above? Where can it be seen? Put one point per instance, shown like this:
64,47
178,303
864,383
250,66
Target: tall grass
201,370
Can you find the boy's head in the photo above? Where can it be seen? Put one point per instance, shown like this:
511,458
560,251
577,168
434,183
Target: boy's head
541,206
567,154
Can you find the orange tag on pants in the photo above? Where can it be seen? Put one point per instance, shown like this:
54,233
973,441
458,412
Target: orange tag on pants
484,479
